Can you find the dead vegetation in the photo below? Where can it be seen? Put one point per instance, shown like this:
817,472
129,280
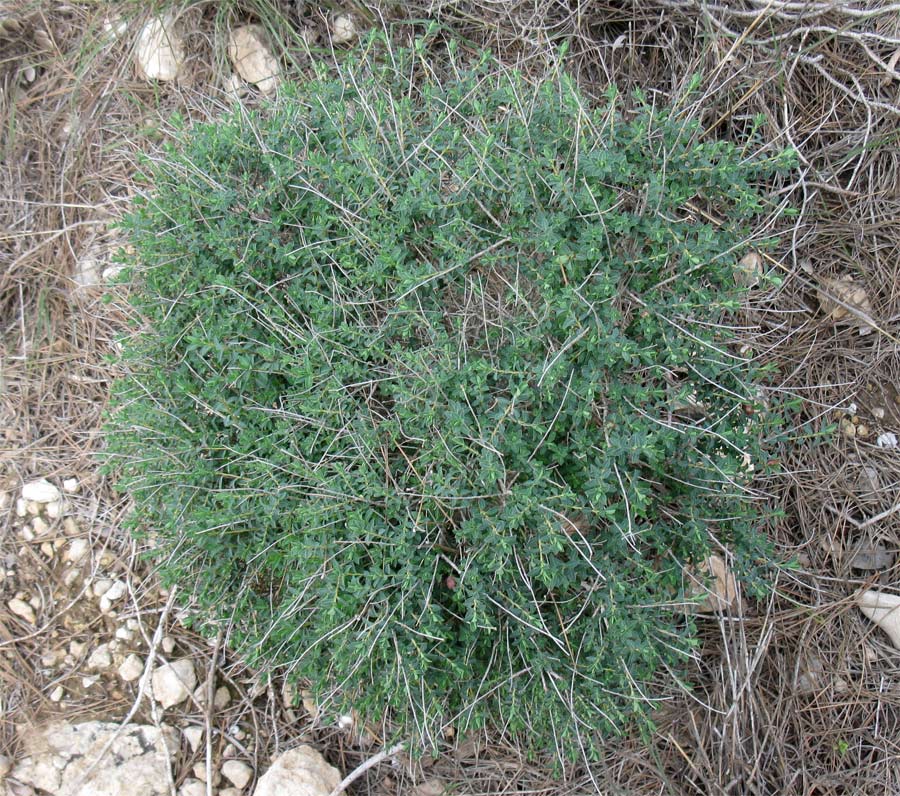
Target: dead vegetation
796,695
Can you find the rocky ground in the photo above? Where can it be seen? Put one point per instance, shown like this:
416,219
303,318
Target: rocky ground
133,702
137,704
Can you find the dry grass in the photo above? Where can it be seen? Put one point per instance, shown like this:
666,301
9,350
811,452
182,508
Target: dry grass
798,695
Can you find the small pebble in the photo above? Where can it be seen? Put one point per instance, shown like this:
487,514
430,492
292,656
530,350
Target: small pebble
200,773
23,610
237,773
231,792
78,550
33,508
101,586
21,507
47,549
71,485
41,491
193,735
39,526
222,697
70,577
878,413
116,591
131,669
343,29
26,533
70,527
124,634
35,602
52,658
168,645
192,787
886,440
88,682
174,682
77,648
100,658
57,694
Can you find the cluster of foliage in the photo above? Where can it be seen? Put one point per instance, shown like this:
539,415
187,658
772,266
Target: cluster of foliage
414,404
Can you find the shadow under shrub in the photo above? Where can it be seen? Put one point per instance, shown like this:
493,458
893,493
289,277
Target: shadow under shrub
437,398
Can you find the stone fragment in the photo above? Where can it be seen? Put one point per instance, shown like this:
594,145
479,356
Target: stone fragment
52,658
298,772
78,551
77,649
343,29
23,610
252,58
193,735
115,593
41,491
192,787
882,609
222,697
39,526
237,773
100,658
845,302
159,53
173,682
131,668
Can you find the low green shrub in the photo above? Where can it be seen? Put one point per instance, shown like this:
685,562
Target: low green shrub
436,396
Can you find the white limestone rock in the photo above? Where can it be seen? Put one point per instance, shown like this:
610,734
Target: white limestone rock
159,53
40,491
237,773
252,58
298,772
882,609
173,682
60,758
